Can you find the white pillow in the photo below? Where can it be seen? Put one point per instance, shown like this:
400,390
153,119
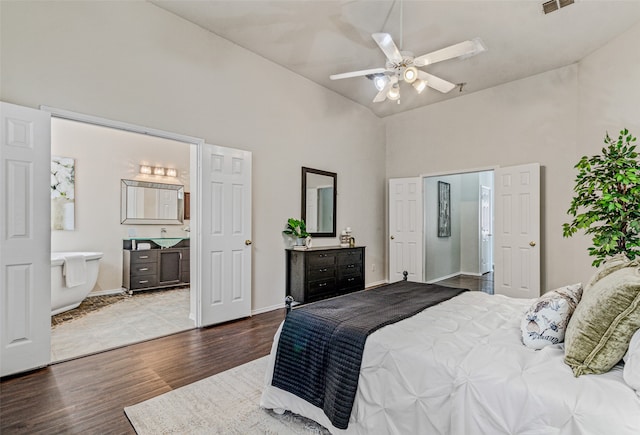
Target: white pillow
545,322
631,372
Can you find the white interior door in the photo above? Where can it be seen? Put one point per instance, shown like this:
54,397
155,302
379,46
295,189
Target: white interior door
486,235
517,231
25,222
224,234
405,229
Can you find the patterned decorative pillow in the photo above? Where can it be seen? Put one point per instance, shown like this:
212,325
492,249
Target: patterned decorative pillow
601,328
545,322
631,372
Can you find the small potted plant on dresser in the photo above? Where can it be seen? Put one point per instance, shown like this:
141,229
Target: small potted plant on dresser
298,230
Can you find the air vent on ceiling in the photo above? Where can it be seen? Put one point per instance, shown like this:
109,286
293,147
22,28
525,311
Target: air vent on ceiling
554,5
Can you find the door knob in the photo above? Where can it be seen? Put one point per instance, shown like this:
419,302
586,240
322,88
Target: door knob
532,243
392,237
247,242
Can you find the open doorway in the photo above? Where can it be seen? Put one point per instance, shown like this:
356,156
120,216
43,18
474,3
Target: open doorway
88,217
458,229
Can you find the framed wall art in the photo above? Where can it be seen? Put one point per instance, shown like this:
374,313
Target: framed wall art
444,209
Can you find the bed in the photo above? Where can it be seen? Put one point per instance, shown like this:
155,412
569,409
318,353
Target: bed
459,367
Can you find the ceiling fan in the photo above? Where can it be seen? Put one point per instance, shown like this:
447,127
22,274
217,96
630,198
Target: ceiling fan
403,66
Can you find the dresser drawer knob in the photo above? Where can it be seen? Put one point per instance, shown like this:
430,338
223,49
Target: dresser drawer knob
144,256
351,279
323,270
143,281
324,284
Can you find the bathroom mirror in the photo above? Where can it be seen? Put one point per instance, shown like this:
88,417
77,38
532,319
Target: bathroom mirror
145,203
319,202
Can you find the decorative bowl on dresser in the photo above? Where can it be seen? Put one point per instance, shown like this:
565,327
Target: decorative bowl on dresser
156,267
323,272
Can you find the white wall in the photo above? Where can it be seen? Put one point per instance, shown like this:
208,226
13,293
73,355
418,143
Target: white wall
103,157
134,62
609,85
552,118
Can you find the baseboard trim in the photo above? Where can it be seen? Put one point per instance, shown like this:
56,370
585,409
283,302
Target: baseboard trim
471,273
376,284
451,275
267,309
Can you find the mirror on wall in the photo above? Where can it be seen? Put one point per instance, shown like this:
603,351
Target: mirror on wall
319,202
146,203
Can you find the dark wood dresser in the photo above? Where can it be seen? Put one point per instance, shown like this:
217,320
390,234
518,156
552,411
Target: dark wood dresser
323,272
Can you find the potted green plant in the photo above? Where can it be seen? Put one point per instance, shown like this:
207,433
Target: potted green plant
607,201
297,229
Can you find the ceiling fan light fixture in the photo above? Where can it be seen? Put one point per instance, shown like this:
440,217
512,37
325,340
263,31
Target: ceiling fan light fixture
380,82
419,85
394,93
410,74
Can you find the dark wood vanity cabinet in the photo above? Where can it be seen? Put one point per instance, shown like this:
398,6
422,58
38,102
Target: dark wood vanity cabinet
319,273
155,268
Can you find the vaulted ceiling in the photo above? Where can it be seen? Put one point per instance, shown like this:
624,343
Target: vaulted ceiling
317,38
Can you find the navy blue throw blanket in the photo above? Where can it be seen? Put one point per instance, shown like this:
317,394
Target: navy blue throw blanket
321,344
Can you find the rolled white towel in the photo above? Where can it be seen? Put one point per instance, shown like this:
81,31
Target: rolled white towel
74,270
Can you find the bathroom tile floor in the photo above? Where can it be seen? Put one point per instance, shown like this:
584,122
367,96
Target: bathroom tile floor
137,318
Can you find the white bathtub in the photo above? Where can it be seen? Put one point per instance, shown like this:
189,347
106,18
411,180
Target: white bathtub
64,298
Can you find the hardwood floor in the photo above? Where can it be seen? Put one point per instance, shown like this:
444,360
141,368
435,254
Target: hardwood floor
87,395
482,283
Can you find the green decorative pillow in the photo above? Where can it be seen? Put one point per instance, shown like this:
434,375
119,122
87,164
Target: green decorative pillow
603,323
610,265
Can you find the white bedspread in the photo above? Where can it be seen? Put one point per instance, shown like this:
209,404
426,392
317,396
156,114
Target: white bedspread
460,368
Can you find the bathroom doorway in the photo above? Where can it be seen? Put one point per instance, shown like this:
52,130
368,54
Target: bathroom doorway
100,158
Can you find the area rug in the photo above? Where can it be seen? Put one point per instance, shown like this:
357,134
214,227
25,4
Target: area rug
226,403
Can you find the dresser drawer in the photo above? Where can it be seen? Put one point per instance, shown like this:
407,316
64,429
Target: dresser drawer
350,256
321,259
350,283
321,272
143,281
321,287
146,256
349,270
138,269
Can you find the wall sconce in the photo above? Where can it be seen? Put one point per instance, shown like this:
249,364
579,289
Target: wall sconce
158,170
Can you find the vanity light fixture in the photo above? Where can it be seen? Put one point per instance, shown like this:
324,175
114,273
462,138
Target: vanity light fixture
158,170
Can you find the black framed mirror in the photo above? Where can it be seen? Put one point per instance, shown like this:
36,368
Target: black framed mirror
319,191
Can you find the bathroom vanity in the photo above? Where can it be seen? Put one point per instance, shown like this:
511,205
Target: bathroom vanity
155,263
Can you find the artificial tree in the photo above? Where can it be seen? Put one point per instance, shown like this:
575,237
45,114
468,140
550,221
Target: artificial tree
607,201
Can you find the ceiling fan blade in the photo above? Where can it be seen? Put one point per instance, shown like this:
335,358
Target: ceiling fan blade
388,47
382,95
436,82
363,72
465,48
